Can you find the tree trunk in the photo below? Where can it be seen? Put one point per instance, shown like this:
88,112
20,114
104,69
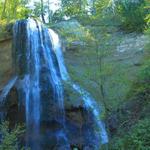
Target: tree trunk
4,10
42,12
15,9
49,13
101,79
93,9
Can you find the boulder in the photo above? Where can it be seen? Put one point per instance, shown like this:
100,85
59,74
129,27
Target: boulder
74,35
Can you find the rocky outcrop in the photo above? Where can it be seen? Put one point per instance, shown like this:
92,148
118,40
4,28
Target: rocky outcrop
80,122
139,40
74,35
5,60
11,109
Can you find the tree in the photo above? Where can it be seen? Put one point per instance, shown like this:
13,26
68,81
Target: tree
74,8
4,9
42,11
13,9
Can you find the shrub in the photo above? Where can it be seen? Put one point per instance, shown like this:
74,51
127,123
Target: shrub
9,138
132,15
136,139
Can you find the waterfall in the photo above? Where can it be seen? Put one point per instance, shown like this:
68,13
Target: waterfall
89,101
39,78
39,70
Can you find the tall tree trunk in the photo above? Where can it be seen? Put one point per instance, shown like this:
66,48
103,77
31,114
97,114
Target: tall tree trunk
101,78
15,9
93,7
80,5
42,11
4,10
49,12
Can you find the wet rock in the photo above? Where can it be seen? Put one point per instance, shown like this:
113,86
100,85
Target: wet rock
75,36
75,45
80,125
9,28
12,109
127,46
113,123
5,60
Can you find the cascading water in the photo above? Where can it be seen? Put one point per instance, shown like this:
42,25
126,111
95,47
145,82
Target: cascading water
39,83
89,102
40,69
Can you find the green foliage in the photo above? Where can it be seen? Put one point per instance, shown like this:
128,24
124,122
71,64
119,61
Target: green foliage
10,11
136,139
99,14
142,84
3,31
13,9
74,8
57,16
147,10
37,10
100,6
136,136
9,138
132,15
41,9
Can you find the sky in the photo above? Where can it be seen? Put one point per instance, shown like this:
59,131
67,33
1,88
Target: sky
54,4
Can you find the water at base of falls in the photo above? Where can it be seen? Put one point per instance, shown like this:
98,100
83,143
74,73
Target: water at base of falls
40,70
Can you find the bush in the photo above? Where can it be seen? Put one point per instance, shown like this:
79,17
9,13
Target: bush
136,139
9,138
132,15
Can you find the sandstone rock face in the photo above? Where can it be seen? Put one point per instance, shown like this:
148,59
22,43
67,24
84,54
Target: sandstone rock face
74,35
79,120
11,109
80,126
5,60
